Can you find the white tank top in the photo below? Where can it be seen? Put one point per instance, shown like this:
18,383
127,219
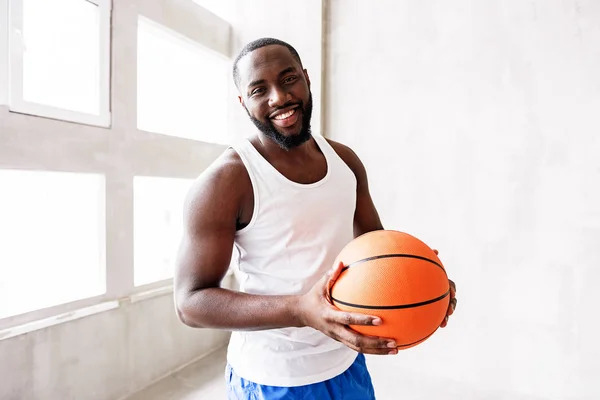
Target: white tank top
293,238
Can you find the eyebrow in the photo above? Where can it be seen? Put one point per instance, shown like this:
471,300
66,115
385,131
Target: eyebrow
261,81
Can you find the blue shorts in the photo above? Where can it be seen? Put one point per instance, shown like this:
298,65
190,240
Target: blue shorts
354,384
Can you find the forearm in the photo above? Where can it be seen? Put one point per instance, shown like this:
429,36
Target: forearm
220,308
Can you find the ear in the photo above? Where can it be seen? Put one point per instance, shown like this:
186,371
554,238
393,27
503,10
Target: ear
241,101
306,76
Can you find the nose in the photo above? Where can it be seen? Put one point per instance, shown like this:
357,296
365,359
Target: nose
279,97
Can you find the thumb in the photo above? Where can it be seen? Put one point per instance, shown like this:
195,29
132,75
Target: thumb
332,276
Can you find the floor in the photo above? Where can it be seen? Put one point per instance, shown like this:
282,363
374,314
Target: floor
204,380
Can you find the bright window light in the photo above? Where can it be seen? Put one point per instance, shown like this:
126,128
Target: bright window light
221,8
158,226
3,52
182,87
60,58
52,231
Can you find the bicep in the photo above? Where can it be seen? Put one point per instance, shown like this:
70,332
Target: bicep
366,217
203,257
207,243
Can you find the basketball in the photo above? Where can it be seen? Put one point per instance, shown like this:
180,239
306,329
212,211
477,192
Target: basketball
397,277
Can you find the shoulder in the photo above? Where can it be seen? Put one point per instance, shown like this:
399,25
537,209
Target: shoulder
222,185
348,156
227,170
228,167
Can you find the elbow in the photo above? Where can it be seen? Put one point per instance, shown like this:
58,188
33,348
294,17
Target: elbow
188,313
186,318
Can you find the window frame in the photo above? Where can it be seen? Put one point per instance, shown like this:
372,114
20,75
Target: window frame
139,181
18,104
120,152
177,38
3,52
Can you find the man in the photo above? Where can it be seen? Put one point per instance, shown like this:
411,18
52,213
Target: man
288,202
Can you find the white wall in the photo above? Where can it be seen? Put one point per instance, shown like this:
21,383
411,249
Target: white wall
297,24
478,124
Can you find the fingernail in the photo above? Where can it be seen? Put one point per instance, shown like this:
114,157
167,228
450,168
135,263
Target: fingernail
376,321
393,352
392,345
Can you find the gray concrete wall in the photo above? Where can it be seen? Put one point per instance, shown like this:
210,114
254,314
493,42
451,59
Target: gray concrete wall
114,353
478,124
103,356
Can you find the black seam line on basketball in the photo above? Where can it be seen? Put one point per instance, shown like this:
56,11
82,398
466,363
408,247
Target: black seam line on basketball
393,256
418,341
423,303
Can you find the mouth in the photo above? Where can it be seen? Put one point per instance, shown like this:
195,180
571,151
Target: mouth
286,117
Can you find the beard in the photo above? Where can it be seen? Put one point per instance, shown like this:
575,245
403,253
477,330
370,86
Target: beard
287,142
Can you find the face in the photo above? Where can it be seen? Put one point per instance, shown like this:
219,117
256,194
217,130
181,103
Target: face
275,91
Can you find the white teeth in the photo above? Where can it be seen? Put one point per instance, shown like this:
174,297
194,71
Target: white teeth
286,115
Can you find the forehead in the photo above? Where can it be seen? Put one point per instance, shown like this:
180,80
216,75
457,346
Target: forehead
265,63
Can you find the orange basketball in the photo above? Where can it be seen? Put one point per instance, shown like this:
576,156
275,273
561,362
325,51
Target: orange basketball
398,278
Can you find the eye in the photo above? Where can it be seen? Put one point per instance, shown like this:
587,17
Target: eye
257,91
290,79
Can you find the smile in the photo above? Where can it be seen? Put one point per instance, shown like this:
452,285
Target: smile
285,115
287,119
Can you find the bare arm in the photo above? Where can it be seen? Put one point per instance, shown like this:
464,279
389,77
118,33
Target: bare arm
366,218
210,215
211,211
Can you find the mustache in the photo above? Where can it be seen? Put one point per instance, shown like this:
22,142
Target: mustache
289,104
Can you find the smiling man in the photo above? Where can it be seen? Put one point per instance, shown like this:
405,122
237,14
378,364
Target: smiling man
288,202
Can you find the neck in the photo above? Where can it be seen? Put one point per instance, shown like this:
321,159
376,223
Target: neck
271,147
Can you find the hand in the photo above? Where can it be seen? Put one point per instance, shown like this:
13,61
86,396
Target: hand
316,311
453,300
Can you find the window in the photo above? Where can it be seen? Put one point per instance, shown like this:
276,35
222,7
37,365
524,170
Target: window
71,242
182,87
158,226
221,8
3,52
59,59
51,239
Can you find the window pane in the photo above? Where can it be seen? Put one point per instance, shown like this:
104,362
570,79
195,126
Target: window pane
221,8
158,226
182,87
61,59
3,53
51,239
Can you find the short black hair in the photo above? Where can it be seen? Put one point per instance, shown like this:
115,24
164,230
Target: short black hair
257,44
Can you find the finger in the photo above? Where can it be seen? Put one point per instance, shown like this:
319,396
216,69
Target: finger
450,310
452,286
336,271
451,307
346,318
366,344
436,252
444,322
331,276
382,352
